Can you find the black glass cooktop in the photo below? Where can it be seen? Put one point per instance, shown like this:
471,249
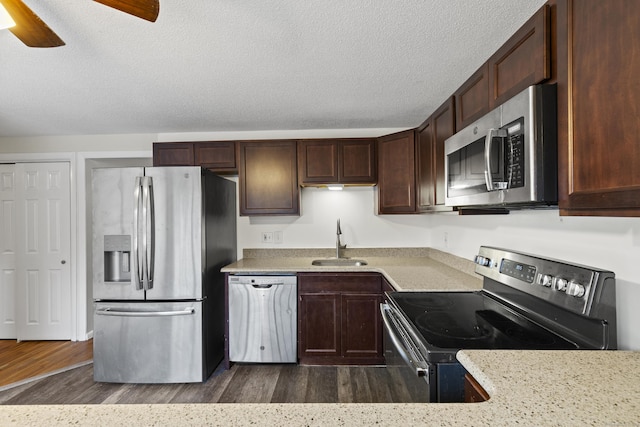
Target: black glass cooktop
472,320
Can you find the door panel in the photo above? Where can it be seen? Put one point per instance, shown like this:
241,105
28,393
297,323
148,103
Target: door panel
112,222
43,248
148,342
178,233
7,253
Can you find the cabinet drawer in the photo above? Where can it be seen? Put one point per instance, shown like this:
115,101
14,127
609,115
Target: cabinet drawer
339,282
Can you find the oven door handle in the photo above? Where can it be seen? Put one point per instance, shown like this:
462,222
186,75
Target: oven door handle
421,369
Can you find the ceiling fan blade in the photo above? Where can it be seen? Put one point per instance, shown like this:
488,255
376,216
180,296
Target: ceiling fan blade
145,9
29,28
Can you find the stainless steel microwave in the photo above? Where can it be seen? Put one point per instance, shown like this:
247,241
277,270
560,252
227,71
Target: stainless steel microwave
507,158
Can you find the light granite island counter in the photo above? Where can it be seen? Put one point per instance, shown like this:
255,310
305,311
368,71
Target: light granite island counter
529,388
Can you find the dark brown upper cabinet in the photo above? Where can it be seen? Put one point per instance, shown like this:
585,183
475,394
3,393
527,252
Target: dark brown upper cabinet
598,62
524,60
173,154
430,157
268,178
217,156
396,189
341,161
472,98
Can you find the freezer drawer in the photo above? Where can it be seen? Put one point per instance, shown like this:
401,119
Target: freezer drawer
148,342
263,319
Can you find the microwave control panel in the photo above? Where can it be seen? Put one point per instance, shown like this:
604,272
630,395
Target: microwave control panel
514,153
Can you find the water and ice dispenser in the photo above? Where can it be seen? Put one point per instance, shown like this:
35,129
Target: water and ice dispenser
117,258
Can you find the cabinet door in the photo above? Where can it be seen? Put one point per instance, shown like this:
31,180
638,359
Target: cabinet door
173,154
318,161
599,59
473,391
472,99
362,326
357,161
268,177
425,165
444,126
217,156
319,325
430,156
396,173
524,60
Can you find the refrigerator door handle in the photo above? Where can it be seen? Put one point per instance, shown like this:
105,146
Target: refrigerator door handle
147,224
136,234
151,230
133,313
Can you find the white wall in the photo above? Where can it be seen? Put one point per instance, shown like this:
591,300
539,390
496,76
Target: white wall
316,226
609,243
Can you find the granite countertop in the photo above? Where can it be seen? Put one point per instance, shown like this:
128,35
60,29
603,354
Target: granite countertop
406,269
531,388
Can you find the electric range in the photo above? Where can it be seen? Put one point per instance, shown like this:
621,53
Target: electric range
527,302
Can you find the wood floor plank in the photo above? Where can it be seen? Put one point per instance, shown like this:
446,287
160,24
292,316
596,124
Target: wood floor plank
360,386
292,384
253,383
345,390
322,385
378,380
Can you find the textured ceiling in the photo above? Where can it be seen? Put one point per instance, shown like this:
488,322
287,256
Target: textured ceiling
235,65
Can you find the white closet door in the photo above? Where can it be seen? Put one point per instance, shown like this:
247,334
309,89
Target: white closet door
7,252
43,250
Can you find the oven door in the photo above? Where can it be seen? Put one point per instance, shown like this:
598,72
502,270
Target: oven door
405,363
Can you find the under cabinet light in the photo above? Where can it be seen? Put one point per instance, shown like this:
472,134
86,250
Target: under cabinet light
6,21
335,187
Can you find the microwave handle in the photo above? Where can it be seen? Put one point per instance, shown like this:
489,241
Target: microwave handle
488,179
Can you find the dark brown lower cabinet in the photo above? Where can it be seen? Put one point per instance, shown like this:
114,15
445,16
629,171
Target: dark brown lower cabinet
473,391
339,319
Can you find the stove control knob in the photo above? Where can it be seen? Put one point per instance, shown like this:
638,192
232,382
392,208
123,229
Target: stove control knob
559,284
575,289
480,260
546,280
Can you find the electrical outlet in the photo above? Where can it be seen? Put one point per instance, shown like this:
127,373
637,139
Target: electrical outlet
267,237
277,237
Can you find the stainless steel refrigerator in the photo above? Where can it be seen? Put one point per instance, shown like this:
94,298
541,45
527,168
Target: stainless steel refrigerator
160,237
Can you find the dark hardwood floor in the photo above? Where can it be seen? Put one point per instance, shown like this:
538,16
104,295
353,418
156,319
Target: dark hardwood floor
240,384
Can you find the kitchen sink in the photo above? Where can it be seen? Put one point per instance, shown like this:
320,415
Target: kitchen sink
339,262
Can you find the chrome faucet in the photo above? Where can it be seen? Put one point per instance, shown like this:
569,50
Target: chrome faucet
338,245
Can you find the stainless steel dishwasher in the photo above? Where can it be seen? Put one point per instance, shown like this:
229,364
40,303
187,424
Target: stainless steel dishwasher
263,319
